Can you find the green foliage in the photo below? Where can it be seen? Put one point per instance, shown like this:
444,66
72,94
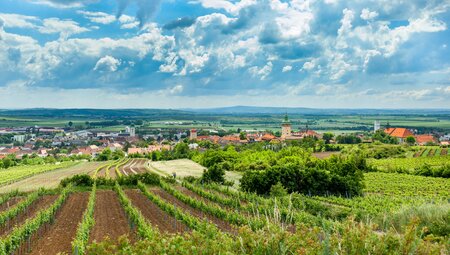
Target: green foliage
410,140
13,241
14,174
336,175
278,190
14,211
382,137
78,180
84,227
348,139
215,173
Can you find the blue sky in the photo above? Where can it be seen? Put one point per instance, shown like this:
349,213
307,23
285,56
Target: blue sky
213,53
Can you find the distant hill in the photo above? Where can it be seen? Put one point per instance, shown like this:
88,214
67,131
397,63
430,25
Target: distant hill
200,113
313,111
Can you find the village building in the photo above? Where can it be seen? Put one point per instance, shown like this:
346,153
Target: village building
425,139
400,133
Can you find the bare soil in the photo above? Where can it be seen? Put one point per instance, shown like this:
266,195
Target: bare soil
221,224
444,151
325,154
10,203
110,218
154,215
31,211
58,238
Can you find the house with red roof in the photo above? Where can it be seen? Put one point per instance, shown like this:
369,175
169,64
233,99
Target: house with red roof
424,139
400,133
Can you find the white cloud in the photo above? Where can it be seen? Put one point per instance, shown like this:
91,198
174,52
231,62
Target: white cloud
308,66
287,69
62,3
366,14
226,5
107,64
98,17
64,27
263,72
11,20
128,22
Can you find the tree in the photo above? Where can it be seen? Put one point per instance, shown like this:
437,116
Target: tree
327,137
70,124
410,140
215,173
278,190
242,136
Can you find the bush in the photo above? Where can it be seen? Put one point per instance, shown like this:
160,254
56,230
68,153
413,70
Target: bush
216,173
78,180
278,190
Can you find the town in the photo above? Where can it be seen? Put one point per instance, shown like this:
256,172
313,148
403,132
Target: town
69,141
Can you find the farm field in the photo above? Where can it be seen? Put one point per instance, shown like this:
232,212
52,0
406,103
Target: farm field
154,211
17,173
409,164
50,179
186,167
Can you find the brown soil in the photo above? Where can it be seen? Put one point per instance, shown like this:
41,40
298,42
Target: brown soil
155,216
31,211
112,172
444,151
417,154
140,166
10,203
58,238
110,218
102,172
221,224
325,154
431,153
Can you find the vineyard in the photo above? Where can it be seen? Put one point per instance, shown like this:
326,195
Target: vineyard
430,151
410,165
151,211
14,174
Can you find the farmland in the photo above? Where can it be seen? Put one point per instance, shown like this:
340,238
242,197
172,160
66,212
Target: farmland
49,179
20,172
75,218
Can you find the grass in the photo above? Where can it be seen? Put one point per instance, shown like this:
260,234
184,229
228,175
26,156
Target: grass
50,179
186,167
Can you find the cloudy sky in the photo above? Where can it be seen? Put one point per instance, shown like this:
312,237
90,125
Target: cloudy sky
212,53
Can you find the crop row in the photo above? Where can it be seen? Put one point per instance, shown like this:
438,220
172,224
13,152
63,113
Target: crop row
6,215
82,237
17,173
13,241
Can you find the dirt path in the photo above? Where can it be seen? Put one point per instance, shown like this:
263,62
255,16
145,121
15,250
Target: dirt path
39,204
140,166
10,203
58,238
221,224
154,214
110,218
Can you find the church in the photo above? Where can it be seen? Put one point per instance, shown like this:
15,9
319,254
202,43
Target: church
287,134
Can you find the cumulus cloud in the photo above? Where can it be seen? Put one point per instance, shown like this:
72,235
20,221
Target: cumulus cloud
342,46
287,69
262,72
98,17
11,20
63,27
107,64
146,9
366,14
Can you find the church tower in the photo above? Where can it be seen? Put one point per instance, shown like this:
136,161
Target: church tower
286,127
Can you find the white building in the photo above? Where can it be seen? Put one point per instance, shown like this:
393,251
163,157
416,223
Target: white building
19,138
376,126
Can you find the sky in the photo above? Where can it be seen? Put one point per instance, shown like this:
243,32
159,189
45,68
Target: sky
216,53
